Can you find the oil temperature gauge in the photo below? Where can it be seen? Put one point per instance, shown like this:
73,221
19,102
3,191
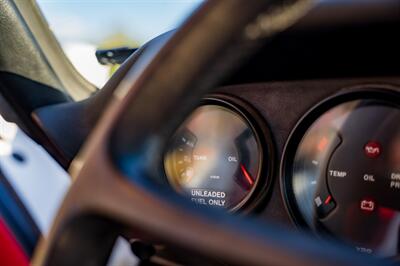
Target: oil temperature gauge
341,170
215,158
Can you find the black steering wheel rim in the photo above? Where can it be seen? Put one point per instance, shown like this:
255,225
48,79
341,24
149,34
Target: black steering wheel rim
116,179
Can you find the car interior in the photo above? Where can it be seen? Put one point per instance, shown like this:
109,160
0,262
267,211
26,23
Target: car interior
255,133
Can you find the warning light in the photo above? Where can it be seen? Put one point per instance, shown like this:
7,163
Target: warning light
367,205
322,144
372,149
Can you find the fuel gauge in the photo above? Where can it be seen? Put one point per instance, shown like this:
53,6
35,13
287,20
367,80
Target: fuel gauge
215,157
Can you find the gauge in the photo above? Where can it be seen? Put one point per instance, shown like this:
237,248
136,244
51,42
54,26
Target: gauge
215,158
341,171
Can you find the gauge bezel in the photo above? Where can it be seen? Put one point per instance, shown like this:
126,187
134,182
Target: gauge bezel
387,93
263,136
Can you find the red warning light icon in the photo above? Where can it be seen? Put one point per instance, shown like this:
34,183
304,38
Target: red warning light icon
367,205
372,149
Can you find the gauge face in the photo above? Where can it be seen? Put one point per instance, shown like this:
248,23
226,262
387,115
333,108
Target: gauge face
343,177
215,158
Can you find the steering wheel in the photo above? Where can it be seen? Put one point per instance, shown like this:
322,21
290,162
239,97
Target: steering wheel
118,185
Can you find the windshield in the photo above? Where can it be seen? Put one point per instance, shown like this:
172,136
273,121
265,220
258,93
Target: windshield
82,26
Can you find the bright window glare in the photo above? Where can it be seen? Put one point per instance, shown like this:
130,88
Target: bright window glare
82,26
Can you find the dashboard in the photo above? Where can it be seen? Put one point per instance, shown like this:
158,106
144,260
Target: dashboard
325,161
305,133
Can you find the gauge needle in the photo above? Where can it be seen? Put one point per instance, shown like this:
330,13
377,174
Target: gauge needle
246,175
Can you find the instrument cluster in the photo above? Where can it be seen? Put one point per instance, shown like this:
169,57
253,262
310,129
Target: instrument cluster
340,168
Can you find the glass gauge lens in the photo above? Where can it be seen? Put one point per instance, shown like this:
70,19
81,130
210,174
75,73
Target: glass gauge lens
214,158
344,179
